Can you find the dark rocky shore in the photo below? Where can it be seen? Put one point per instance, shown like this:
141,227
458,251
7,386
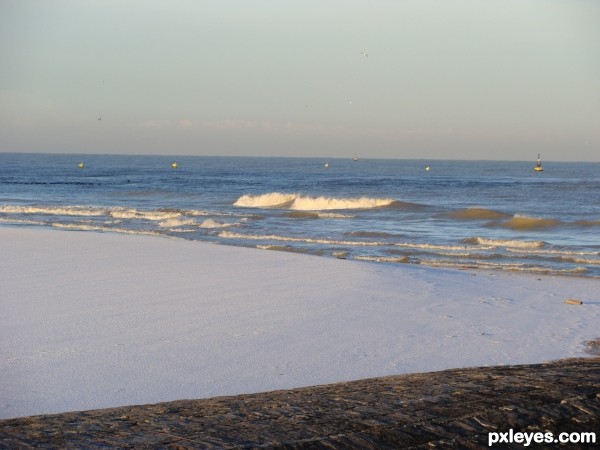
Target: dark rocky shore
449,409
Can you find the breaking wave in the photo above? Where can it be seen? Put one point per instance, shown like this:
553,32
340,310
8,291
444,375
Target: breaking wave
372,234
516,221
393,259
170,223
272,200
503,242
300,203
578,260
96,211
523,223
81,227
53,210
317,215
21,221
426,246
284,248
307,240
210,223
156,215
181,222
554,252
511,267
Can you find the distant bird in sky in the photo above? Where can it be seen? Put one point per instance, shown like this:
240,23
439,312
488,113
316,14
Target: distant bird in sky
365,54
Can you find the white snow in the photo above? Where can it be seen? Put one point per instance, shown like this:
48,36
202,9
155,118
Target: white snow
91,320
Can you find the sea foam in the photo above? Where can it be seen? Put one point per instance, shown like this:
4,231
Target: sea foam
53,210
274,237
301,203
175,222
210,223
503,242
131,213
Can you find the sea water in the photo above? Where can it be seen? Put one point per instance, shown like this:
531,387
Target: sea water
459,214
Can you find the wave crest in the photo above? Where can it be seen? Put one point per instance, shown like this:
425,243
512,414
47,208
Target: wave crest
503,242
132,213
174,222
316,215
210,223
271,200
300,203
477,214
53,210
518,222
372,234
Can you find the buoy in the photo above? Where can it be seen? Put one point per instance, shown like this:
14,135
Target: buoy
326,165
81,165
174,165
427,168
538,165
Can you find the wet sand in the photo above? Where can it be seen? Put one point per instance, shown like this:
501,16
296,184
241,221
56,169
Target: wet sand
449,409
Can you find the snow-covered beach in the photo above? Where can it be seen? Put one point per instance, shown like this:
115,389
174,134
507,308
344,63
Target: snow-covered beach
93,320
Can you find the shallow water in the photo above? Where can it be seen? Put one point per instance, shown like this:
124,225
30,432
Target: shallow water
483,214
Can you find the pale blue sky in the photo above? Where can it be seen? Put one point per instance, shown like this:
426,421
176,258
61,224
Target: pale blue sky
461,79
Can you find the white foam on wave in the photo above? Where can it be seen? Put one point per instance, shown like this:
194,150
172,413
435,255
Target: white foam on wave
131,213
21,221
392,259
307,240
460,248
81,227
95,211
300,203
581,260
272,200
210,223
195,212
563,255
176,222
514,243
334,216
511,267
553,252
327,203
274,237
182,222
53,210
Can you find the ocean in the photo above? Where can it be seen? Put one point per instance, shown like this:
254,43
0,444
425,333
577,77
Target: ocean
495,215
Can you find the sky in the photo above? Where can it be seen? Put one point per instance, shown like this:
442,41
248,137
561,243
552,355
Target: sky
461,79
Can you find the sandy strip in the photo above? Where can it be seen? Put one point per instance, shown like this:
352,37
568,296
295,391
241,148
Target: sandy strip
95,320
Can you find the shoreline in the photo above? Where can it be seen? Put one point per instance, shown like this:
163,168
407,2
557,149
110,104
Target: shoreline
453,409
105,320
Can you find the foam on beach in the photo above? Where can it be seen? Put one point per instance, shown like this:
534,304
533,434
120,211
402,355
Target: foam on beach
92,320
